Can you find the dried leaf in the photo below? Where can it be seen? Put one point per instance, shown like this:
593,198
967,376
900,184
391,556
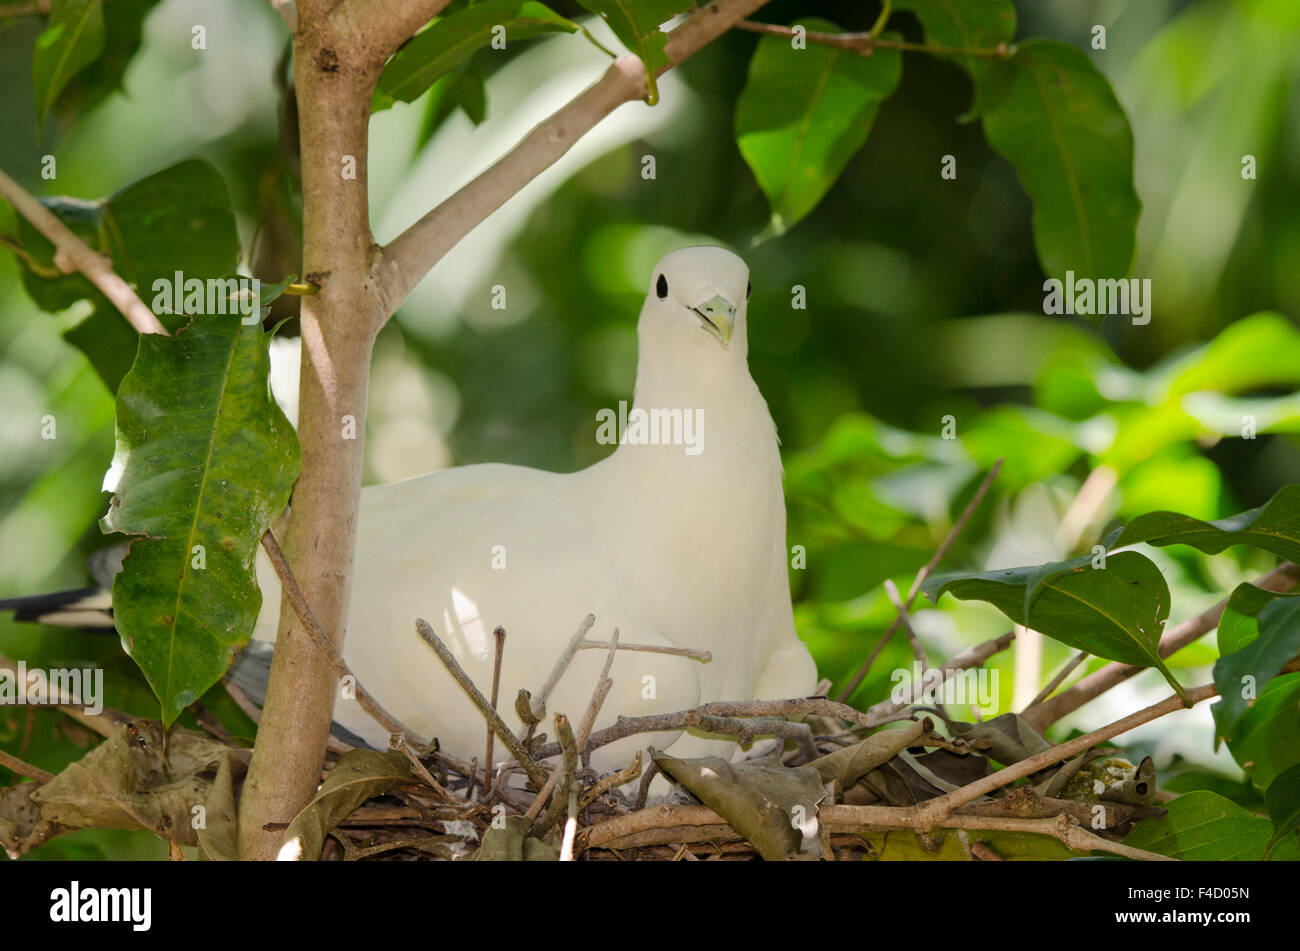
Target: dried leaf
772,806
357,776
218,836
511,843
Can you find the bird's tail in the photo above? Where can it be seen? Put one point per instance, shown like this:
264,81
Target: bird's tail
90,609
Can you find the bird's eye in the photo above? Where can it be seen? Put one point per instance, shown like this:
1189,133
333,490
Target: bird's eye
749,289
661,287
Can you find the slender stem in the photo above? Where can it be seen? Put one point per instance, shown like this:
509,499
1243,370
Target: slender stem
289,584
498,725
24,769
73,254
867,43
934,811
1042,715
886,8
957,526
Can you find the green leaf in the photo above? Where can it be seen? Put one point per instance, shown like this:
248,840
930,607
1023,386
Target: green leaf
1203,826
177,219
1273,527
1256,351
450,41
1056,119
1266,740
1283,800
204,458
1239,624
965,24
1239,675
463,88
72,41
1116,612
123,25
636,23
804,113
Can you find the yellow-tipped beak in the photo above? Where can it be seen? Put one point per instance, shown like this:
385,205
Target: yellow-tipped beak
718,317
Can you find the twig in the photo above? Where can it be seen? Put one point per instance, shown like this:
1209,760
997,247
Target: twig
891,591
667,722
625,775
404,261
1040,716
499,638
561,665
1059,678
975,656
420,770
73,254
921,575
24,769
933,811
700,824
289,584
747,730
565,773
867,43
467,685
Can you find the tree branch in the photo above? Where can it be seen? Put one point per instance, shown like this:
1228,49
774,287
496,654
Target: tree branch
1042,715
865,44
409,256
73,254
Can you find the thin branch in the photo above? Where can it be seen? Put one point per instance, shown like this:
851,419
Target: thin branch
37,8
467,685
499,645
24,769
934,811
565,772
975,656
1040,716
865,44
1059,678
404,261
73,254
289,584
896,599
921,575
668,722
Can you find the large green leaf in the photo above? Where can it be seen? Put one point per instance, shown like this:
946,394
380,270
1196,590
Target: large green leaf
1055,118
1266,740
804,113
1203,826
965,24
123,26
450,41
205,460
1239,623
1117,612
1274,527
177,219
72,41
1283,800
636,23
1240,675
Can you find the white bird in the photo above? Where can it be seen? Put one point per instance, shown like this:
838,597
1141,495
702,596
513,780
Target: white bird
674,543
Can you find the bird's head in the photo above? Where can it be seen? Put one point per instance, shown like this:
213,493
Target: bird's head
697,298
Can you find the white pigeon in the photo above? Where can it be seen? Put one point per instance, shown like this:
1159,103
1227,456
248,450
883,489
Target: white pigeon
672,544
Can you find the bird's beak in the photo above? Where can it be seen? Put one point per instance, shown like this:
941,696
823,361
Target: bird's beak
718,317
